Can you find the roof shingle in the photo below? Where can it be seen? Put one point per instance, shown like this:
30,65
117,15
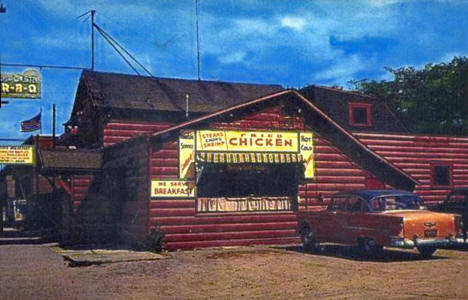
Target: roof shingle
165,94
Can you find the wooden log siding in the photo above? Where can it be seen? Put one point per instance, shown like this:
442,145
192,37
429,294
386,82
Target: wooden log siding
131,164
117,131
79,187
185,229
414,154
334,172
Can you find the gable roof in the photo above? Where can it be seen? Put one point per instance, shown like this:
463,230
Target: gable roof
111,90
322,123
335,102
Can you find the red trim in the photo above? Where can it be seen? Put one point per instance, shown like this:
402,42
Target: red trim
65,186
367,107
441,164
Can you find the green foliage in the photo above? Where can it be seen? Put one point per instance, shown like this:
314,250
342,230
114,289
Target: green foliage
431,100
154,241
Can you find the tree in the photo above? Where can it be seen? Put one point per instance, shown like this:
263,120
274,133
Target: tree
431,100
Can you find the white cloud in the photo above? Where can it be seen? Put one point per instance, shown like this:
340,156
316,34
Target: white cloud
293,23
235,57
450,55
380,3
344,69
63,40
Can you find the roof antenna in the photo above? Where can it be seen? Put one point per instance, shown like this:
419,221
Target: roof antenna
198,40
187,97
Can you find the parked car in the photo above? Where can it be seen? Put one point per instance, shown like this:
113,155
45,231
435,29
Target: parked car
373,219
456,202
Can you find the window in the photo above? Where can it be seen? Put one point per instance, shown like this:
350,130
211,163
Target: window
354,203
349,203
441,174
360,114
338,203
395,202
242,180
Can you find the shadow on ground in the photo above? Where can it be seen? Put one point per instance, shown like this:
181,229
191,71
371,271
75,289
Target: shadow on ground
352,253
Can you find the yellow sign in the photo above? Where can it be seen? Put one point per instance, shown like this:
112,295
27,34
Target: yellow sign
21,85
17,155
187,154
172,188
247,141
307,151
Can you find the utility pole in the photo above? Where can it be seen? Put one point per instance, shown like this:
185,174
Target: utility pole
1,86
53,126
2,11
198,40
93,12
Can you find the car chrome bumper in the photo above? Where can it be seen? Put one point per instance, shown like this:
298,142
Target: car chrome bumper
406,243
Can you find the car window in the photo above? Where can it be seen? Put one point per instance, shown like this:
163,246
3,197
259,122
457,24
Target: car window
353,204
409,202
338,203
395,202
456,198
377,204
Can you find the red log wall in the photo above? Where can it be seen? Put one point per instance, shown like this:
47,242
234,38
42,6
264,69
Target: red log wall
79,187
186,229
117,130
414,154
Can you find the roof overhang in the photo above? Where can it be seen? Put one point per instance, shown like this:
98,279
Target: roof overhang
69,161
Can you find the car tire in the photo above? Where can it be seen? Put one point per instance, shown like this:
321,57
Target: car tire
370,248
426,252
309,243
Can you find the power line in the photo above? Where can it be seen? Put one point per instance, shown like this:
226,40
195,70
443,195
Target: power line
116,49
12,139
44,66
123,49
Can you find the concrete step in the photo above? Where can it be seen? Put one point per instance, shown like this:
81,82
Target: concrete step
21,240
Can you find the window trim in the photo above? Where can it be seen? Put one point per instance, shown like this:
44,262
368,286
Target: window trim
435,164
367,106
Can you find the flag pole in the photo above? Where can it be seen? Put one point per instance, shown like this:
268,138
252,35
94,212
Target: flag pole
53,125
40,122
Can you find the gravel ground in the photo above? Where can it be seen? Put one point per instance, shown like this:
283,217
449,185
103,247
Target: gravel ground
37,272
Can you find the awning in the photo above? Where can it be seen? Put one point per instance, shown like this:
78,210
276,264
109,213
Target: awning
248,157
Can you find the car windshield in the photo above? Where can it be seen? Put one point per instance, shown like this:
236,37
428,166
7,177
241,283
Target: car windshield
395,202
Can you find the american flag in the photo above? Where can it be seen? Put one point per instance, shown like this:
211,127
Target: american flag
31,124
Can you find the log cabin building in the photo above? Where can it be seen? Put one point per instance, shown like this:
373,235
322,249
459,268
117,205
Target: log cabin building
217,164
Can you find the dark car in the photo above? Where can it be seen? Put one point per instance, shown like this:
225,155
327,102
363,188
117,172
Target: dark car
457,203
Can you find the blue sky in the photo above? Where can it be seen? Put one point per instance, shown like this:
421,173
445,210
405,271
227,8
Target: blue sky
292,43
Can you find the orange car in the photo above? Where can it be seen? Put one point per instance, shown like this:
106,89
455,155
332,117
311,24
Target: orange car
373,219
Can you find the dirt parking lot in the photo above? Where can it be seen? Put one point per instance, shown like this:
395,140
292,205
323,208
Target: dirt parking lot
37,272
